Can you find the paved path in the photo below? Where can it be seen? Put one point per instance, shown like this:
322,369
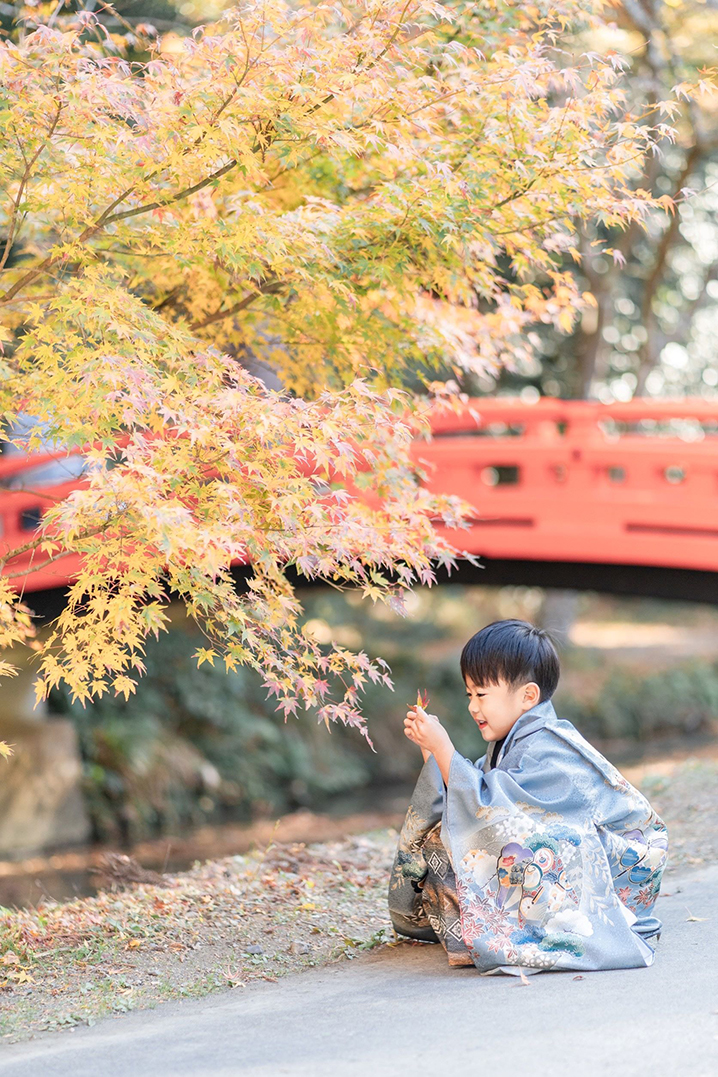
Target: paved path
402,1011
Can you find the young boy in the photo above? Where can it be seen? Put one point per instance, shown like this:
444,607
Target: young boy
538,856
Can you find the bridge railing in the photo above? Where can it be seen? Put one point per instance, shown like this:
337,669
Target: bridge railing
28,485
633,483
627,483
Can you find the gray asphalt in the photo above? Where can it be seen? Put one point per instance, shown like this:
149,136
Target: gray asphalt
404,1011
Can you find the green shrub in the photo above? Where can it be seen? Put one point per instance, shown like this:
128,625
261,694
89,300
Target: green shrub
679,700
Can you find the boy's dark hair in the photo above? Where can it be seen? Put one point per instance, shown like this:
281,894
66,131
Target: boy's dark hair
513,651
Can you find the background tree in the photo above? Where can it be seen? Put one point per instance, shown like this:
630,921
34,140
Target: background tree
656,308
360,196
119,18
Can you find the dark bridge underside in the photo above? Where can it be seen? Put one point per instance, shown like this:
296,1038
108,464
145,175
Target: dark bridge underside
681,584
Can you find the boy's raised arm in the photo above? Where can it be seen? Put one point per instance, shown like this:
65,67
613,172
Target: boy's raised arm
427,731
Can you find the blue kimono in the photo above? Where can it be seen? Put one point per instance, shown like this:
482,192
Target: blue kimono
542,858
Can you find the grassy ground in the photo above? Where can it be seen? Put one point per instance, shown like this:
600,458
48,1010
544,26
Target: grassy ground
263,915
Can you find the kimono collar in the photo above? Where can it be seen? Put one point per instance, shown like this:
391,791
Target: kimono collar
528,723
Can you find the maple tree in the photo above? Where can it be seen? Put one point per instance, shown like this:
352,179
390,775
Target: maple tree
363,196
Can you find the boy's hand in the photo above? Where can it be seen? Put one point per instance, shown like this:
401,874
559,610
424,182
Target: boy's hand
426,730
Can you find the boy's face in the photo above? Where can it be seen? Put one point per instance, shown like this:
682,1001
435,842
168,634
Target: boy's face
495,707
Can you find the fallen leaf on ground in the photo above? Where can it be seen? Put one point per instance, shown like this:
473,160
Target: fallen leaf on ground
695,919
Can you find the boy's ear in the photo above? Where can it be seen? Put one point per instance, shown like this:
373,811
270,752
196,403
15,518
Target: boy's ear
532,694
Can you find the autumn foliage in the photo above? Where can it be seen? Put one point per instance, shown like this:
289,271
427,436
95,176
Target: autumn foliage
367,197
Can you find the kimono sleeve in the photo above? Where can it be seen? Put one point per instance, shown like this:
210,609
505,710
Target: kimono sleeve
635,839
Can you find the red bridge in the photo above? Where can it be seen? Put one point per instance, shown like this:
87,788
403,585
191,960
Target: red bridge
577,483
617,497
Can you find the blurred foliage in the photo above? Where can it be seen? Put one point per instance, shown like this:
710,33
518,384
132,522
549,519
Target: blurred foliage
631,705
164,14
654,322
198,745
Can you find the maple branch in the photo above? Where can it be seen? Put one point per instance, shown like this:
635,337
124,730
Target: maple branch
516,194
34,543
51,260
23,184
172,294
108,216
177,197
271,288
42,494
28,570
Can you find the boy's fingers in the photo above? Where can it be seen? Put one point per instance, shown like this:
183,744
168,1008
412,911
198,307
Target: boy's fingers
420,713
